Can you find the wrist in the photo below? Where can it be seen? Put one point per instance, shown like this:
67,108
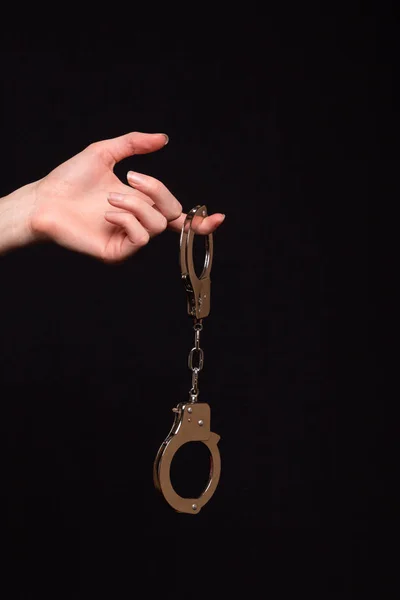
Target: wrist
15,218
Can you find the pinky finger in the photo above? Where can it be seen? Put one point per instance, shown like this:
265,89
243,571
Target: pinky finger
136,233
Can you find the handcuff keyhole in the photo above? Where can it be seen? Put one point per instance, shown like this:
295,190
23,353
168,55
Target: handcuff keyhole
190,469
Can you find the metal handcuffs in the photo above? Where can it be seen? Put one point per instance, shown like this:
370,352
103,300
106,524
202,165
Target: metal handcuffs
192,418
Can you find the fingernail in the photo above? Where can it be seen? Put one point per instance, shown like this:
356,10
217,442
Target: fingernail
116,198
166,139
135,178
223,218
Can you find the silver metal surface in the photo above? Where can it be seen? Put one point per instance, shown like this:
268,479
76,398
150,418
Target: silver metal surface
195,427
182,432
197,288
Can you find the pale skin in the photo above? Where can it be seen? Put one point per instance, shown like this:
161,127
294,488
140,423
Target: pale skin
83,206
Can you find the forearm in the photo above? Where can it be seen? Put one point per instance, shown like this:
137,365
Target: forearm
15,218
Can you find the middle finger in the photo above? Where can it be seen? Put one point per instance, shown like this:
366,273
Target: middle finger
166,202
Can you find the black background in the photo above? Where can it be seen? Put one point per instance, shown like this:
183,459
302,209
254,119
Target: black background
276,127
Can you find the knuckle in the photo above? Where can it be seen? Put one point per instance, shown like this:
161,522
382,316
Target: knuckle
131,143
98,149
162,224
133,202
111,258
143,240
95,147
176,211
110,255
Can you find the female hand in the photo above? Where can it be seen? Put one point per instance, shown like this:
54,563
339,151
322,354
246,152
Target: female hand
83,206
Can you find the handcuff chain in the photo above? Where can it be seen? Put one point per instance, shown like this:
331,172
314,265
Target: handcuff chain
196,362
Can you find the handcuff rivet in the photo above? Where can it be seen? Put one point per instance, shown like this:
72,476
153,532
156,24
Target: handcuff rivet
194,506
190,409
201,422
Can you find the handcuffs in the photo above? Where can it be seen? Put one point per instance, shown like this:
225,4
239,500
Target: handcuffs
192,418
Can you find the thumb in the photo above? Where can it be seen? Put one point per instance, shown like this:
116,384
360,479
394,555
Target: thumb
118,148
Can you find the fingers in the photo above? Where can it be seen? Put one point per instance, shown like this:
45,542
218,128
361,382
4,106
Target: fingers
150,219
118,148
169,206
203,227
166,202
136,233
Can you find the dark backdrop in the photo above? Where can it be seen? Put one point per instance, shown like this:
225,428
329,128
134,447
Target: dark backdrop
279,133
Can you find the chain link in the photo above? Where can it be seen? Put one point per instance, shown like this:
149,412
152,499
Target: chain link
196,362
